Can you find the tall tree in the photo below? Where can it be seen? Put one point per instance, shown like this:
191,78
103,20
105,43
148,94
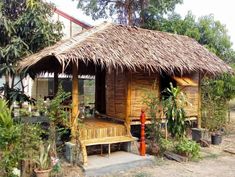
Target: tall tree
26,26
130,12
206,30
216,92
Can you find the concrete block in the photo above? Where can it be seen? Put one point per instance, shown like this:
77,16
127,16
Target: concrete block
69,152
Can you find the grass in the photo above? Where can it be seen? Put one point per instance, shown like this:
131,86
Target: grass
211,156
159,161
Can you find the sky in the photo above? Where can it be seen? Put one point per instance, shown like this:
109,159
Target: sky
223,10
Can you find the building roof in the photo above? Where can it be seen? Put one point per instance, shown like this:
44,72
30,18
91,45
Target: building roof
118,46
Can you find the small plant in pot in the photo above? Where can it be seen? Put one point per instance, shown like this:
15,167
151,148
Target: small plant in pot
41,107
216,138
43,161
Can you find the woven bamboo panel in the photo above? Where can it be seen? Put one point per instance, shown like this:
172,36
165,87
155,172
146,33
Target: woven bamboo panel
192,94
116,94
99,129
110,95
141,84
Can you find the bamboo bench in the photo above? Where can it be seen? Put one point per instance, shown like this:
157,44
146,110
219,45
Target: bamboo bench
108,141
103,132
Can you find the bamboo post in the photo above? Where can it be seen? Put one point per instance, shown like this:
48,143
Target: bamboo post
56,83
142,133
199,118
166,131
128,102
75,101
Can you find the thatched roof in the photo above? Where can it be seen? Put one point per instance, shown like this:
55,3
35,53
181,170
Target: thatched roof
111,46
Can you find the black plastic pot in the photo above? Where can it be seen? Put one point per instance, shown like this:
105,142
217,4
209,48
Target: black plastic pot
197,134
216,139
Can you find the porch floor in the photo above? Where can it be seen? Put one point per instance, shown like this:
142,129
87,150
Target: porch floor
117,161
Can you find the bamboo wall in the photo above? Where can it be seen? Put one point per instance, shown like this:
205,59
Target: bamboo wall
192,93
116,94
140,84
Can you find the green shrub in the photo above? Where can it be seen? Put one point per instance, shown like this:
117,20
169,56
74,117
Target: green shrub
166,145
189,148
9,141
174,111
216,94
17,141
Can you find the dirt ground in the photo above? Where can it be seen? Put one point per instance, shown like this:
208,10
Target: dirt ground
214,163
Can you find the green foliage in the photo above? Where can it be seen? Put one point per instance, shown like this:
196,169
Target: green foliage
189,148
153,109
174,111
165,145
14,94
41,106
206,30
57,115
55,109
5,115
215,100
25,27
43,159
214,35
136,10
17,141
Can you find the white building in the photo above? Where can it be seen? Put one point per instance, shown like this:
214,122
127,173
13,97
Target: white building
43,86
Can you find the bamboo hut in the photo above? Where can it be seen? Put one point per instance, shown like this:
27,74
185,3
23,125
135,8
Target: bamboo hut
126,61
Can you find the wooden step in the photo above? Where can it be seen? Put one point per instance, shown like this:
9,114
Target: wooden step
109,140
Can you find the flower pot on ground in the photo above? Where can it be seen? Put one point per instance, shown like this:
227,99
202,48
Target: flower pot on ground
42,173
198,134
43,161
216,138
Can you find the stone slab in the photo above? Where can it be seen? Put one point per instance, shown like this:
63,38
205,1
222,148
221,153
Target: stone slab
117,161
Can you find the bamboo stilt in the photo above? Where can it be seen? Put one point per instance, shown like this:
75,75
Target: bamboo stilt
75,101
128,102
84,153
199,118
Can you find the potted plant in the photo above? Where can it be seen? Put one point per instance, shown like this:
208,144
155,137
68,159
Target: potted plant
216,138
41,106
43,161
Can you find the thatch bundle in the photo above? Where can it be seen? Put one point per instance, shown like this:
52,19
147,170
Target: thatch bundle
117,46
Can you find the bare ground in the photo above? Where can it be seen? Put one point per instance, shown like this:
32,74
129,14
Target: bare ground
214,163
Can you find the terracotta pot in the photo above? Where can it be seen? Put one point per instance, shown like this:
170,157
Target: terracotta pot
42,173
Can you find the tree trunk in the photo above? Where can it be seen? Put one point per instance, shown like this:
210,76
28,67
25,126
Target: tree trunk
129,12
6,89
53,137
143,6
12,81
7,80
